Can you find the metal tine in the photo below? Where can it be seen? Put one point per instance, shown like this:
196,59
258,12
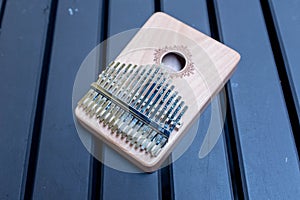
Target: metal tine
101,111
165,106
136,78
126,120
143,99
85,97
122,116
147,144
89,97
162,141
118,81
129,127
132,80
100,106
137,86
122,125
116,117
94,104
146,140
98,101
154,94
157,148
162,101
115,78
158,138
150,145
149,102
138,129
142,135
172,118
107,112
141,91
112,115
89,101
113,126
131,94
176,122
108,72
167,114
158,97
178,118
105,107
123,82
102,77
151,84
112,75
123,120
154,141
132,133
147,89
157,142
150,88
154,149
89,109
131,124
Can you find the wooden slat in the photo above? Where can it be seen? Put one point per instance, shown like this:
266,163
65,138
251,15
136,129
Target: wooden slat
124,15
128,14
63,162
196,16
207,178
21,53
266,144
287,19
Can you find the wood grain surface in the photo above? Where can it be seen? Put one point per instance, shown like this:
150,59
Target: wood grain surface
213,63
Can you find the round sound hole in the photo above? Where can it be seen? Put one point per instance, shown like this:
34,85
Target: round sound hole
174,60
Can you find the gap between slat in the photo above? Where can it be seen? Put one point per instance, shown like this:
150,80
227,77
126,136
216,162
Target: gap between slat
283,69
2,10
96,167
165,175
237,175
33,148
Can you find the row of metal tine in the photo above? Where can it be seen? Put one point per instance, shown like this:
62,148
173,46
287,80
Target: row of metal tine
143,89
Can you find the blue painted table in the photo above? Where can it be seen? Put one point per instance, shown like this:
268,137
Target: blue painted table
42,44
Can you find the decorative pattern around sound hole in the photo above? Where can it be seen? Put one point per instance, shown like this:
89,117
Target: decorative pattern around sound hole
189,67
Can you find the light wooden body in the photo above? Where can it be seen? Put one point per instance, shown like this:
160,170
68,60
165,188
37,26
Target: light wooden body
210,66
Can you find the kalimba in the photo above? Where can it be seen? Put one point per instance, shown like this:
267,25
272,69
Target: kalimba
140,106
